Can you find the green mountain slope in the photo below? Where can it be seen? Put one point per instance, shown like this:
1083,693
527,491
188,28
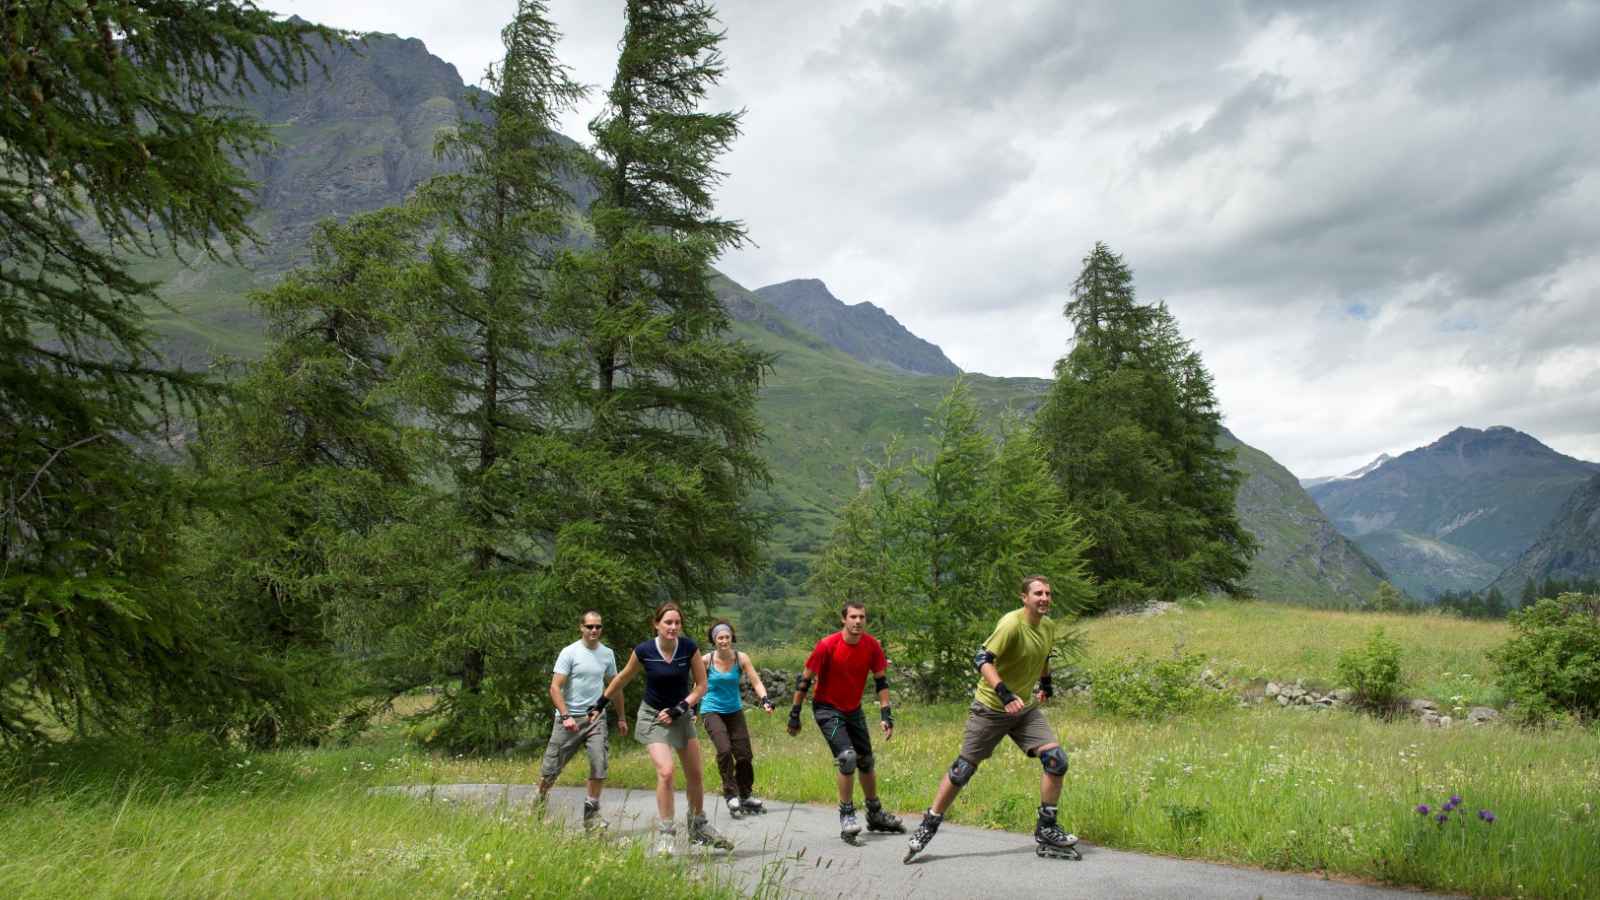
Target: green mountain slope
1303,558
1423,567
1569,549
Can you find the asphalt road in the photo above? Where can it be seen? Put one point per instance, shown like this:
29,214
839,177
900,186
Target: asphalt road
799,846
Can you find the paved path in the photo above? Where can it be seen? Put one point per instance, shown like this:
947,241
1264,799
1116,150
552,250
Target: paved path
962,863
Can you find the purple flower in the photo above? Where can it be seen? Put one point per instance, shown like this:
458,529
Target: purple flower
1485,815
1449,807
1423,810
1442,818
1456,801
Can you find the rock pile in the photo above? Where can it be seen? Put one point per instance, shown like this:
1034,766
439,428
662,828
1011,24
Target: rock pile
1298,696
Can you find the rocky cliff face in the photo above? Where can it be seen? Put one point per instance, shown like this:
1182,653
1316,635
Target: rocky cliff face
863,330
1303,558
1568,549
354,140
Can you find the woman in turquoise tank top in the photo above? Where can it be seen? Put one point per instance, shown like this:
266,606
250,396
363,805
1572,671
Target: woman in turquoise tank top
722,714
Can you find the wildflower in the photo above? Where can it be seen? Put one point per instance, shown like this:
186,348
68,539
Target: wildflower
1485,815
1423,810
1456,801
1442,818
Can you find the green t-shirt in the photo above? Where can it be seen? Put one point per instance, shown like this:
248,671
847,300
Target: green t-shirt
1020,651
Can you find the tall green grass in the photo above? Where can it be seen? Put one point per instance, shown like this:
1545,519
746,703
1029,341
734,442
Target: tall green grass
291,825
1444,656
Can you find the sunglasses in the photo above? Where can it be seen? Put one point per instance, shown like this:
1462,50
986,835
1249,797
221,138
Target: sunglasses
593,627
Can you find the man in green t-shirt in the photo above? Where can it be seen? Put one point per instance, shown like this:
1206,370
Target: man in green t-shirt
1018,652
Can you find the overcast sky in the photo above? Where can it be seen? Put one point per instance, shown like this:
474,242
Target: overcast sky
1377,221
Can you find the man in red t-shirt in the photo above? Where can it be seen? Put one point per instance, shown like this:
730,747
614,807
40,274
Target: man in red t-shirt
839,667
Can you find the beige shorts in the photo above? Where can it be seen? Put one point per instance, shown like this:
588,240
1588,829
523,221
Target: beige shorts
646,730
1029,729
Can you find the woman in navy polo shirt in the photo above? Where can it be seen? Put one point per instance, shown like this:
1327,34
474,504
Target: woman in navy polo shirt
675,680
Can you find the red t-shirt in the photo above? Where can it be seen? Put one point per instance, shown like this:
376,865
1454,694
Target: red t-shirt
842,669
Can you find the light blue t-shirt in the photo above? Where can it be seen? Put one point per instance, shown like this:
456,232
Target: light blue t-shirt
722,691
586,671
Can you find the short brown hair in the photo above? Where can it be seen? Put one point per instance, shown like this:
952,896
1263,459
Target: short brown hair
1028,582
849,605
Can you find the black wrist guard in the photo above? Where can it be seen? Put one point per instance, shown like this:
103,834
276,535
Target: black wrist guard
600,705
1005,693
565,716
886,715
767,704
677,711
1046,687
794,717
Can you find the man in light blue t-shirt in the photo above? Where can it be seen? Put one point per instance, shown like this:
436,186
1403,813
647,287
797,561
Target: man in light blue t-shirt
576,687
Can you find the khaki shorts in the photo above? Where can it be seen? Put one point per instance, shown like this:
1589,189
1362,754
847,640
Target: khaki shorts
1029,729
564,745
646,730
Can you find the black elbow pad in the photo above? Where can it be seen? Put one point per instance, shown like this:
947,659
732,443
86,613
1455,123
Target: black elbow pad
983,656
881,682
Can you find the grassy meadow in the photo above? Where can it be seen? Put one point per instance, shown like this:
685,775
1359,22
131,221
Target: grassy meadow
1326,792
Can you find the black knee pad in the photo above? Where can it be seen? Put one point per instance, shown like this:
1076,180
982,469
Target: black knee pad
1054,761
846,761
866,763
961,772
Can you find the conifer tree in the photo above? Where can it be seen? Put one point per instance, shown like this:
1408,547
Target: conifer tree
938,547
114,142
327,541
1131,427
667,399
479,357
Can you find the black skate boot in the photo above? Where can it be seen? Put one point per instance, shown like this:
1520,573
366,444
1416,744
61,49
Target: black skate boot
752,806
1053,842
701,832
736,807
849,825
592,820
882,822
923,835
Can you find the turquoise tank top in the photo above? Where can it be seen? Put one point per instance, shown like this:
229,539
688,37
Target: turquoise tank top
722,691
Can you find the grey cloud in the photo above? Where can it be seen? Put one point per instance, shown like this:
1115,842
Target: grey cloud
1228,123
1464,46
987,56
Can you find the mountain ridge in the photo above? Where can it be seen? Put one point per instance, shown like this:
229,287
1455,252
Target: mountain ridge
863,330
1490,492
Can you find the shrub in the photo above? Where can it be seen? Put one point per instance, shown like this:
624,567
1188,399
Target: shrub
1551,663
1148,688
1372,672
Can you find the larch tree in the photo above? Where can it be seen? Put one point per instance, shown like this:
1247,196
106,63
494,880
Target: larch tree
666,410
115,141
1131,427
937,546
